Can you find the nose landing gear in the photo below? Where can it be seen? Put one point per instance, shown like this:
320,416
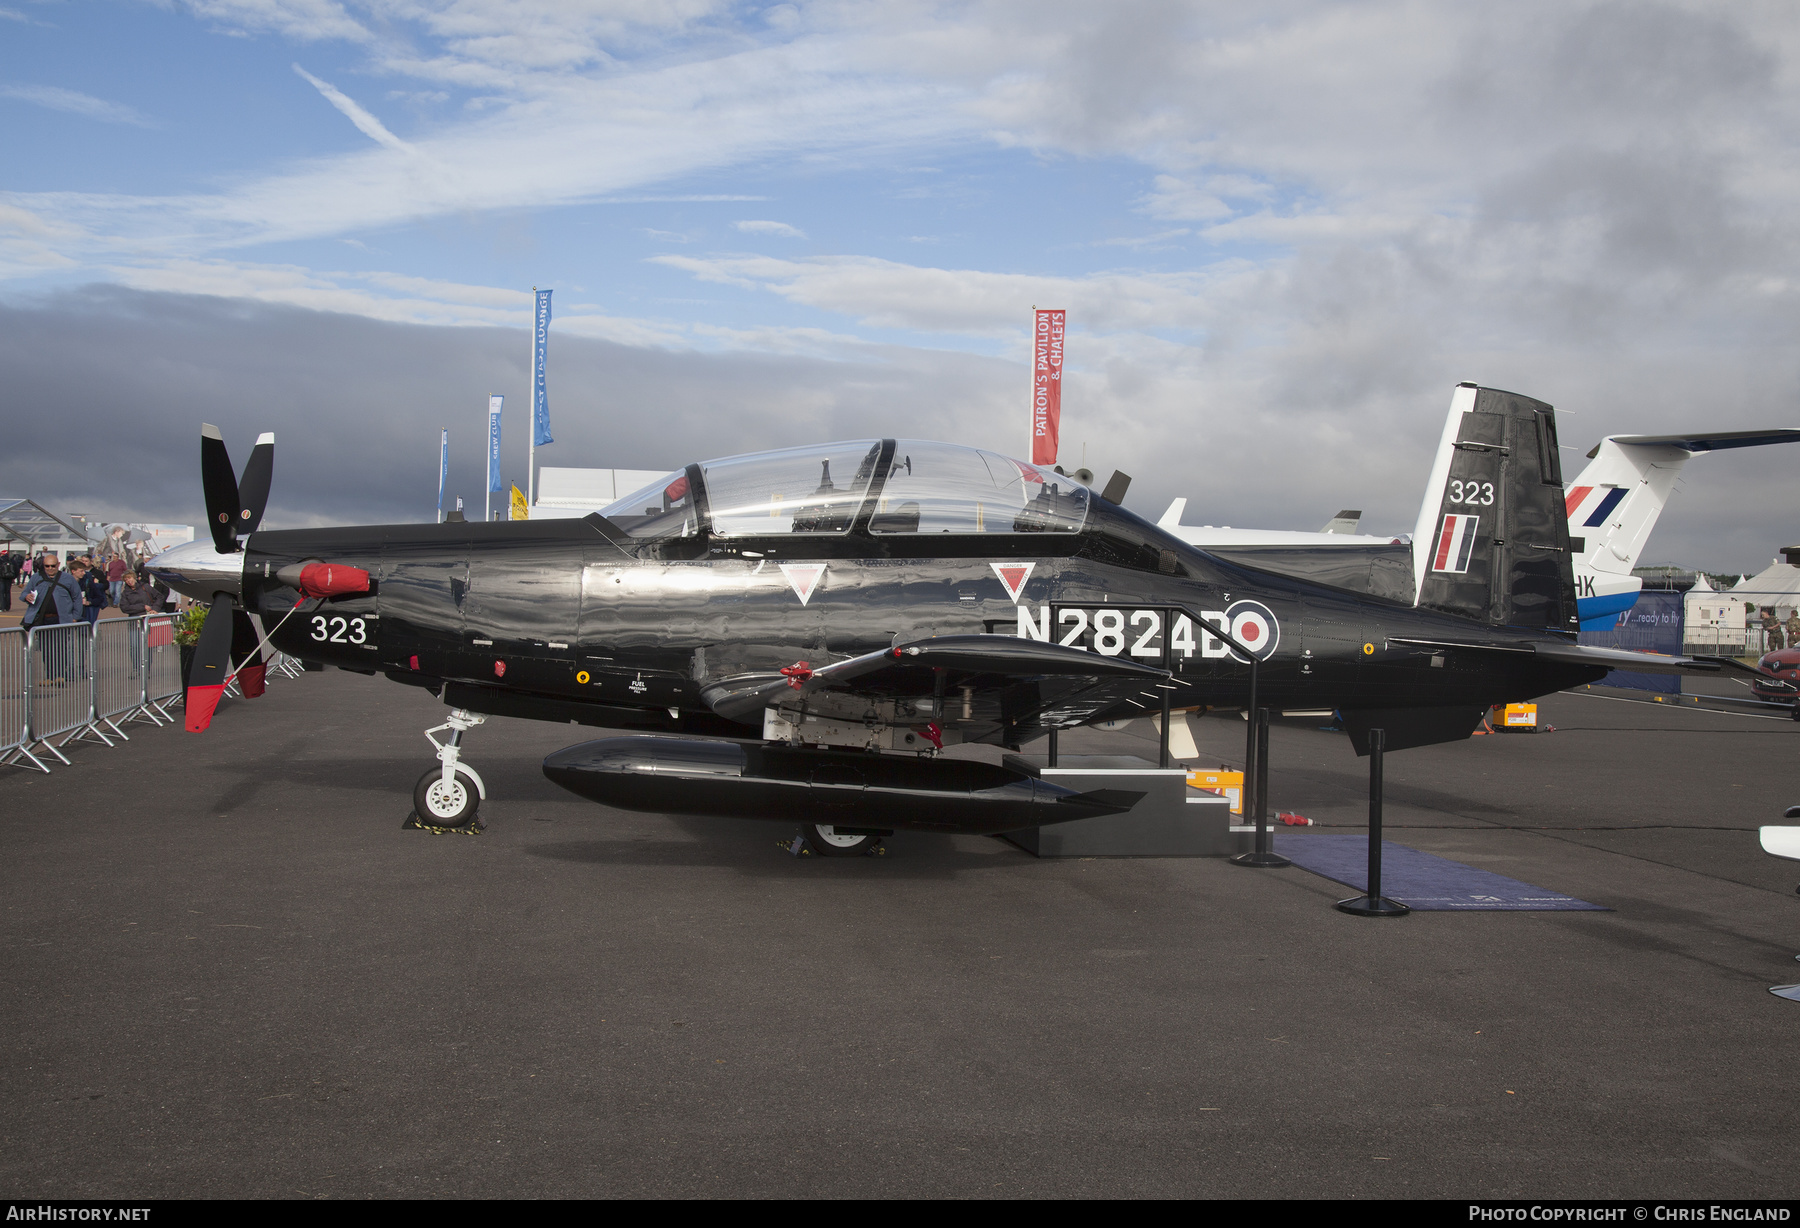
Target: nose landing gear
448,796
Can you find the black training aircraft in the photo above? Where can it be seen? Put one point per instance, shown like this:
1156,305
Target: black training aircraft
768,625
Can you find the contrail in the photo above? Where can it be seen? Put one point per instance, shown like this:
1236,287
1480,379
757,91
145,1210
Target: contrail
370,127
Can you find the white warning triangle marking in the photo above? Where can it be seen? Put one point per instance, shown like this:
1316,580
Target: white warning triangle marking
803,578
1013,576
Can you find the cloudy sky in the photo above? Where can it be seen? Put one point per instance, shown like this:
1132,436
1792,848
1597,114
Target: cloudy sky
1282,233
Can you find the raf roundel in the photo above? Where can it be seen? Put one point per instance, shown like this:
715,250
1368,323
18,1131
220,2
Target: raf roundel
1255,626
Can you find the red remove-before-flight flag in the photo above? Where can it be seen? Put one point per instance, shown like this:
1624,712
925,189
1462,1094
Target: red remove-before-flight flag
1046,385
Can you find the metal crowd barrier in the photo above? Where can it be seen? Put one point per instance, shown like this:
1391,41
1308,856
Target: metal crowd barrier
74,681
59,686
15,673
118,673
162,666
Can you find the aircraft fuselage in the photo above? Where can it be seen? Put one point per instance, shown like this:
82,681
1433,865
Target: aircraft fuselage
564,621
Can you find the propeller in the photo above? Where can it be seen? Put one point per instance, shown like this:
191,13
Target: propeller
234,507
231,643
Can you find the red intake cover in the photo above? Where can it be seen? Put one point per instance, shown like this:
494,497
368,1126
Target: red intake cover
331,579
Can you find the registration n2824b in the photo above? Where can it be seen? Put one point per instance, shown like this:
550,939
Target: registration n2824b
1144,634
1153,636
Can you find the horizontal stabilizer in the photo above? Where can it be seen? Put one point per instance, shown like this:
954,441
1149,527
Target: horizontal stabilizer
1716,441
1579,654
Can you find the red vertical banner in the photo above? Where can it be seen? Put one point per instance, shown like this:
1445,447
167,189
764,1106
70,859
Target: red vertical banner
1046,385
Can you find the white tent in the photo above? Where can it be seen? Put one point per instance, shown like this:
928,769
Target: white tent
1776,587
576,492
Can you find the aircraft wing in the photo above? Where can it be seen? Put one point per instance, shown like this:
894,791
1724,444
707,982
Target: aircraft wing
1031,683
1580,654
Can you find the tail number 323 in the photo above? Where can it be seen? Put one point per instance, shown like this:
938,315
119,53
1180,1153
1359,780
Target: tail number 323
339,630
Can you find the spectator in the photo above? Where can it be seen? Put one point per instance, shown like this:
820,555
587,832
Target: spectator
52,599
9,571
1771,631
134,598
115,576
93,591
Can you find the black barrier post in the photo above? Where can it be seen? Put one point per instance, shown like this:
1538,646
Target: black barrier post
1372,904
1264,856
1163,760
1250,738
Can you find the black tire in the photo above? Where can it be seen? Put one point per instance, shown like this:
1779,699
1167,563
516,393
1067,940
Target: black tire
825,841
1796,712
436,809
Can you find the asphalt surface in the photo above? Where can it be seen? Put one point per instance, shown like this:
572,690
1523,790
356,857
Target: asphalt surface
231,972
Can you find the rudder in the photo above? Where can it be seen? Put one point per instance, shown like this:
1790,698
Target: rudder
1497,549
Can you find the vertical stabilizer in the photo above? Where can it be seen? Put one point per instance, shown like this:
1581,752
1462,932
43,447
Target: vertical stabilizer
1494,545
1617,499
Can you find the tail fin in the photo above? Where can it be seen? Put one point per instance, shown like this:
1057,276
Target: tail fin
1493,538
1615,502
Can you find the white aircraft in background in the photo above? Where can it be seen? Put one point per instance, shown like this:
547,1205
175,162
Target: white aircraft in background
1611,508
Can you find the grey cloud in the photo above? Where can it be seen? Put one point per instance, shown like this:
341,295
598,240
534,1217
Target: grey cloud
106,389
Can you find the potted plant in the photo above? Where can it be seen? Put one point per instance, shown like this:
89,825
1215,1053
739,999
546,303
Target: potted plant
187,634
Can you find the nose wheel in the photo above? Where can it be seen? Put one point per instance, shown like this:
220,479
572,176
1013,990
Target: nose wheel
441,803
448,796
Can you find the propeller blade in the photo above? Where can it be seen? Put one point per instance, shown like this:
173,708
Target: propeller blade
247,650
253,487
220,484
212,664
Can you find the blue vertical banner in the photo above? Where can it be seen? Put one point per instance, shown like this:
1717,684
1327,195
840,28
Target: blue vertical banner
494,482
540,401
443,471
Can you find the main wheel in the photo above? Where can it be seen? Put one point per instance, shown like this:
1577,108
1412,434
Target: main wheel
827,841
444,805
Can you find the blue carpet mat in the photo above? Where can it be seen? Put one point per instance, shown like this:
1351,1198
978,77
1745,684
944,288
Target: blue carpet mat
1420,880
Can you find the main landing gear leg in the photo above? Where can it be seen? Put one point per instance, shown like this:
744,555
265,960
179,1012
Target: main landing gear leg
448,796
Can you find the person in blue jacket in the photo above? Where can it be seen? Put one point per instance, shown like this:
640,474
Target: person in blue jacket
52,599
92,583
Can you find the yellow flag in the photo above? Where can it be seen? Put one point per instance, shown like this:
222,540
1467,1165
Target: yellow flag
519,510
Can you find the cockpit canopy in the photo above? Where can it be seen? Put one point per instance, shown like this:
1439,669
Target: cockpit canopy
884,486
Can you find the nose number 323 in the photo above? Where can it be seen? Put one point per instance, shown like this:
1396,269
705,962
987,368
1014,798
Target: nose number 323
339,630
